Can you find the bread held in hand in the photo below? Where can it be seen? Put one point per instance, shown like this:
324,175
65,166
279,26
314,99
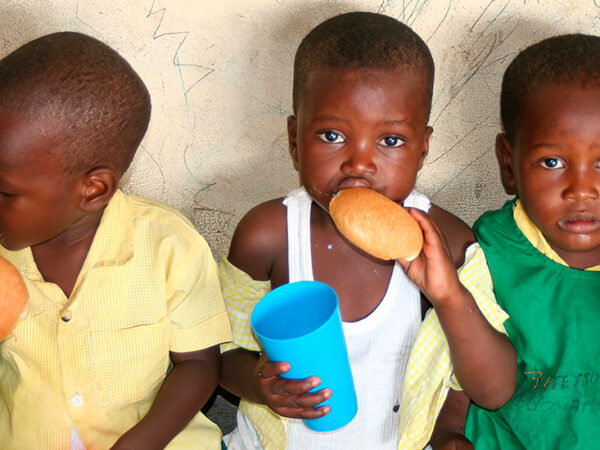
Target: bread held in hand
13,297
376,224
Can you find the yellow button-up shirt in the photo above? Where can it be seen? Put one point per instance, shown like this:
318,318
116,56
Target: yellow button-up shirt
94,362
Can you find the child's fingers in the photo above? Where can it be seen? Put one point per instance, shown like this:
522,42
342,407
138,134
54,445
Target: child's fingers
290,398
433,238
298,387
405,264
267,369
308,400
305,413
303,406
431,231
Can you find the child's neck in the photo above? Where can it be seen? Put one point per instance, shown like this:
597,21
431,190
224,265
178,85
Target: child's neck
60,259
581,262
360,280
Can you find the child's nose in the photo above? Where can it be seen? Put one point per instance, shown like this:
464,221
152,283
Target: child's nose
584,184
359,160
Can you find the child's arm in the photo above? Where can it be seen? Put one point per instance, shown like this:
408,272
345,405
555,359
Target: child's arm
449,430
457,233
259,249
186,388
484,360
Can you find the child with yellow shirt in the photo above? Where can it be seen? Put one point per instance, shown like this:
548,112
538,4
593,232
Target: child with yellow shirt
119,347
534,271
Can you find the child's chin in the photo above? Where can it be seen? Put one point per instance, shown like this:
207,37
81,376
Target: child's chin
9,245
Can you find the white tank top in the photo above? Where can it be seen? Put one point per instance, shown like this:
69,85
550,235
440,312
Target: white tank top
378,345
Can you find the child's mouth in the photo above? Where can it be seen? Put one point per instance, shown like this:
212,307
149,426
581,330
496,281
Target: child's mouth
581,223
353,182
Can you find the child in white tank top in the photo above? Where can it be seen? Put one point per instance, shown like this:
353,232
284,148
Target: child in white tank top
360,119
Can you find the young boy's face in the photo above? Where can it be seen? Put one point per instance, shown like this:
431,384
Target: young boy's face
360,128
37,199
554,163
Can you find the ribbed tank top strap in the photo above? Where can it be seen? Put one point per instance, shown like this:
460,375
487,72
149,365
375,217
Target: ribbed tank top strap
417,200
298,204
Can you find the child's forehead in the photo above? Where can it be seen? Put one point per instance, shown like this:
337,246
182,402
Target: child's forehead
562,98
341,78
575,84
326,85
393,73
559,116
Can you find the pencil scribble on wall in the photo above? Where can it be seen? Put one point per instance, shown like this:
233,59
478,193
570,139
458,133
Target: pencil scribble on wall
219,74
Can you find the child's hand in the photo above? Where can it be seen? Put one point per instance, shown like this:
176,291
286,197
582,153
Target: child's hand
433,271
288,397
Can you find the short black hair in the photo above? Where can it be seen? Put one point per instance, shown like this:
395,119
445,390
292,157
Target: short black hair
98,104
569,58
358,40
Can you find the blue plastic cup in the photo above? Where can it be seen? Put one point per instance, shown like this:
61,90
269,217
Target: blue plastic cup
300,323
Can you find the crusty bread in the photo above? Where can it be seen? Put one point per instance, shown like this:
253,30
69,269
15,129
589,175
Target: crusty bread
376,224
13,297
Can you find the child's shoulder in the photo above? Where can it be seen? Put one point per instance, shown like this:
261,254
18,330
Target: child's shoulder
142,206
260,222
457,233
151,220
260,239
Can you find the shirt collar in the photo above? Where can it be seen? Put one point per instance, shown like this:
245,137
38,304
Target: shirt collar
535,236
114,239
112,245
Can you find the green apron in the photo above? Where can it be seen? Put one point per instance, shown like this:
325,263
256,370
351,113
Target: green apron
554,326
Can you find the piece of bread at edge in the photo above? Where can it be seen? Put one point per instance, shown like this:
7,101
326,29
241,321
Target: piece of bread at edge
376,224
13,297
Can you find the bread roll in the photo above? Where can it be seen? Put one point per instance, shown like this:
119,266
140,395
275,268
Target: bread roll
376,224
13,297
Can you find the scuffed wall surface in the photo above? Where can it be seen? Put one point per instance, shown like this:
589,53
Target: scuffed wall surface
220,77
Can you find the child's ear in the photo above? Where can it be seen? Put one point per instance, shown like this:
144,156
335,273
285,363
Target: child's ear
292,126
425,149
504,155
98,188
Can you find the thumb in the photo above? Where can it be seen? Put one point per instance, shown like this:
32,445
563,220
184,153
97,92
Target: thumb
404,263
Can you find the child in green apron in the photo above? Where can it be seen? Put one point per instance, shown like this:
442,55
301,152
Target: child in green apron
538,257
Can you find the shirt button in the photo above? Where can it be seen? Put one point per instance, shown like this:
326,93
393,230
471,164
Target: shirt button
66,316
77,400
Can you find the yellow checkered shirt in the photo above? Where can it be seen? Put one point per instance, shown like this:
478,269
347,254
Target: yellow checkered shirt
96,360
429,374
241,294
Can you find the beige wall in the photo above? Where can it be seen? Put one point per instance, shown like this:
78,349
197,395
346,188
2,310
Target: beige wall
219,72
